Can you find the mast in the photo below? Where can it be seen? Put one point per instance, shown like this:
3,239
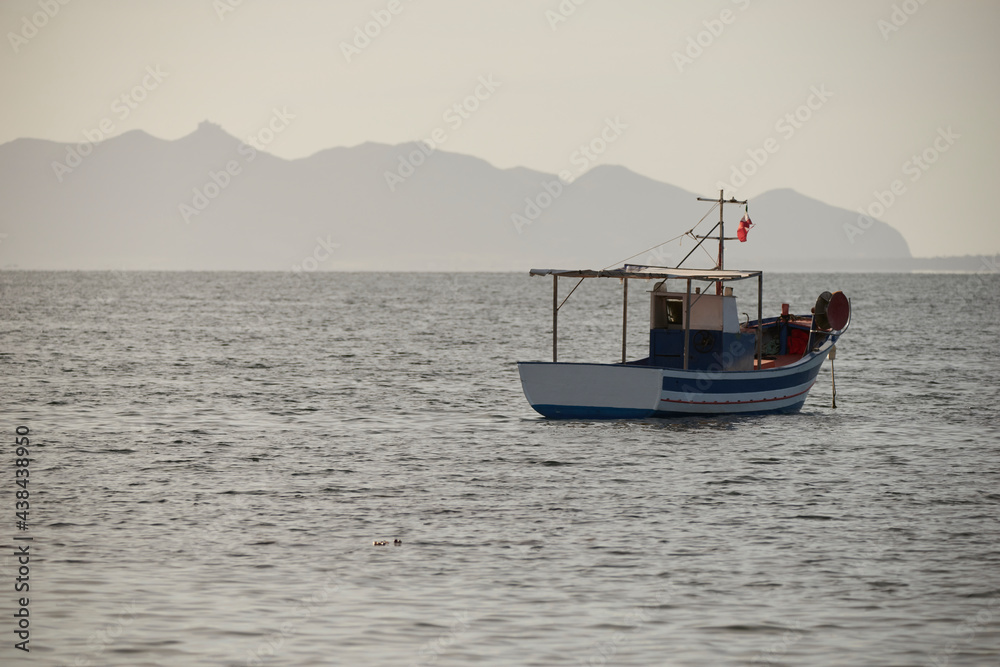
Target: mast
721,201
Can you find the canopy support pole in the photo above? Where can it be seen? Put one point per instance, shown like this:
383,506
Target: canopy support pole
624,318
722,244
555,317
687,322
760,319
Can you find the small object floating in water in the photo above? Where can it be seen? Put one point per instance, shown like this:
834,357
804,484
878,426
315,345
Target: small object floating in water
397,542
702,359
379,543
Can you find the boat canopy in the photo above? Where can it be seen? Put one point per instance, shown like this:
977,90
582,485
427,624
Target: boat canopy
649,273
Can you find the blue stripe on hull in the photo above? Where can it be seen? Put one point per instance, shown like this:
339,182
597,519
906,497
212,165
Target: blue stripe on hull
752,381
596,413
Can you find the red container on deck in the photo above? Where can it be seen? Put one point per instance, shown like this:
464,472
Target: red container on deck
784,310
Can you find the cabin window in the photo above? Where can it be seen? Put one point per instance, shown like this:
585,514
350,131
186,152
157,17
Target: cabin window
675,312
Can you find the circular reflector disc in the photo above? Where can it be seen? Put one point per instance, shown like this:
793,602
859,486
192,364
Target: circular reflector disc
839,311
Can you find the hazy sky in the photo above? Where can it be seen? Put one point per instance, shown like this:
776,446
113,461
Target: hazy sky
833,99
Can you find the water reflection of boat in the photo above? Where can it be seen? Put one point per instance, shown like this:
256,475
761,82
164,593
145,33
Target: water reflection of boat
702,359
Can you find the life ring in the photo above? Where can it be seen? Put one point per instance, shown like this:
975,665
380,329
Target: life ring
704,341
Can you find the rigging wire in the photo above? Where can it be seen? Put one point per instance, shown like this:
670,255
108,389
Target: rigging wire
559,307
687,233
705,250
698,245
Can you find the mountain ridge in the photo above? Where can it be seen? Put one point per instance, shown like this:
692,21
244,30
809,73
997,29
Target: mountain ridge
209,201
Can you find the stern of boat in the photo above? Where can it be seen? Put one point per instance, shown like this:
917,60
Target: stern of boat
590,391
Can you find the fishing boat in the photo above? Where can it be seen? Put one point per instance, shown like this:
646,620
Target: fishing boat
702,359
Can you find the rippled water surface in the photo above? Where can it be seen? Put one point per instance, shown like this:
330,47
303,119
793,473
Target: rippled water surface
214,454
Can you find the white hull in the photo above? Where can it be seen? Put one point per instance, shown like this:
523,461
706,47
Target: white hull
632,391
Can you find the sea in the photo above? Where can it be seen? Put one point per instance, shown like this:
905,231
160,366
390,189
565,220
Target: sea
212,458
